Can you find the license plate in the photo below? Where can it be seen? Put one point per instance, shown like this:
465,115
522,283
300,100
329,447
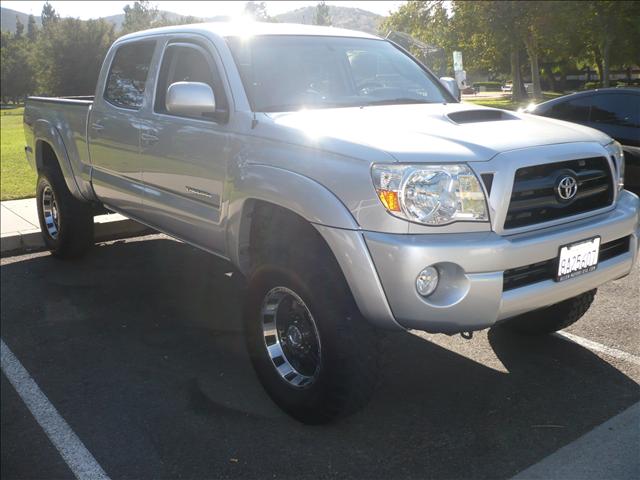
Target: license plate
578,258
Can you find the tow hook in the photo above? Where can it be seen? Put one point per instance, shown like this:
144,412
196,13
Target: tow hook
466,335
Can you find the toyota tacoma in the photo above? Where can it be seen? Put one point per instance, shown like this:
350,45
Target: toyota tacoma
348,186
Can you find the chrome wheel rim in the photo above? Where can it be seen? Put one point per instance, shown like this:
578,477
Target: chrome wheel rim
50,212
291,337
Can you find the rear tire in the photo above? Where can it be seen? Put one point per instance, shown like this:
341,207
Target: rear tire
551,319
66,223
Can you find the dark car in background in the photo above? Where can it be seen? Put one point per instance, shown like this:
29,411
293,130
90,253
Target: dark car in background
615,111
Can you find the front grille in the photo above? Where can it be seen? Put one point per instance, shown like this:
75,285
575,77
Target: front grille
535,199
546,270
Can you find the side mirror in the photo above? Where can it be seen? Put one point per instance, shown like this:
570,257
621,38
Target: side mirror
194,99
452,85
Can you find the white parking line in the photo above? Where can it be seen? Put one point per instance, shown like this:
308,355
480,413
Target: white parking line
608,451
70,447
598,347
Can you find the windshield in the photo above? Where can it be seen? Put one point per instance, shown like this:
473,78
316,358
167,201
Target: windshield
287,73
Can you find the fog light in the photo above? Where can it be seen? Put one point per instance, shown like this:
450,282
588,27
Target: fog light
427,281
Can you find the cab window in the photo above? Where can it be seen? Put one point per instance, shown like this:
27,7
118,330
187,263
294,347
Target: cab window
128,75
188,63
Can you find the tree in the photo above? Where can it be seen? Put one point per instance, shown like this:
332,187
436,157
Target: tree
613,33
32,28
140,16
69,55
257,11
5,64
17,75
555,36
322,16
560,48
48,15
428,22
19,28
530,24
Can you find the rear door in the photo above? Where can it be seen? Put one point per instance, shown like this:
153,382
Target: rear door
618,115
184,159
115,124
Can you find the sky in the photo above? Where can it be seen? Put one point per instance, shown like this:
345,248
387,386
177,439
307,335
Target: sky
86,10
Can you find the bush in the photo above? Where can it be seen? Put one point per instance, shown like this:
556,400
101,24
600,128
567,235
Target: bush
625,83
635,82
488,86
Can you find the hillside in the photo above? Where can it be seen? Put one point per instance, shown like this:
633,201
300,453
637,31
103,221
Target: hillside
343,17
8,19
118,19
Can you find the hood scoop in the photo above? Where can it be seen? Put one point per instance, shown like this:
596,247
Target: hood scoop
476,116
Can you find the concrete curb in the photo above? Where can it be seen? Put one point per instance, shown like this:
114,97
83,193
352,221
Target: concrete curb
17,243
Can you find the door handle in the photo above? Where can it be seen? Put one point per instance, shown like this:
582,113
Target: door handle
97,127
146,139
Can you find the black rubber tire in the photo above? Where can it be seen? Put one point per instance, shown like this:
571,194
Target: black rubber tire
75,229
349,366
553,318
294,256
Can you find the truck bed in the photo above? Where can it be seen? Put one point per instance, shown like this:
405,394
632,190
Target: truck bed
62,122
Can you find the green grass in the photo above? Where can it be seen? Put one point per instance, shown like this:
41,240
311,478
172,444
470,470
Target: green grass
17,179
506,103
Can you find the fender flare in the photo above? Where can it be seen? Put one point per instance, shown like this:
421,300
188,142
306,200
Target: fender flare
45,132
331,218
292,191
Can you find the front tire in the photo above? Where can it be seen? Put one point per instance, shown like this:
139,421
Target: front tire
551,319
66,223
314,354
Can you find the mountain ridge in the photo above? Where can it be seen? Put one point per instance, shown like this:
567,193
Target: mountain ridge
342,17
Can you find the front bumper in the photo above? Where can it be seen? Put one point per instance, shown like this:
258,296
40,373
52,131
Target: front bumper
470,295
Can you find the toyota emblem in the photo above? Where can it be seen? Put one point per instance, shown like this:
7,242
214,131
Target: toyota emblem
567,188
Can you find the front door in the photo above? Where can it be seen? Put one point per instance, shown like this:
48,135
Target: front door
184,158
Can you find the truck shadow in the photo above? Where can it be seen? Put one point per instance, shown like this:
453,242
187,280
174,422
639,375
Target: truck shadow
139,346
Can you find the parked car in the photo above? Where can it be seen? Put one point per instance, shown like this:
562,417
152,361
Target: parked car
348,186
508,88
614,111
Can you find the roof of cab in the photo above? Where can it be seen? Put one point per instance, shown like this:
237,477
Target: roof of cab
249,28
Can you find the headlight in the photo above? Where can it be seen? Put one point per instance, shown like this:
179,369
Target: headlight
616,151
431,194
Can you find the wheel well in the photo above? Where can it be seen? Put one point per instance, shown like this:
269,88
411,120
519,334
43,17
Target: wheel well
276,234
46,157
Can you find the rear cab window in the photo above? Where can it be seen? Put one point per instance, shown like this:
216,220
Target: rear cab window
127,78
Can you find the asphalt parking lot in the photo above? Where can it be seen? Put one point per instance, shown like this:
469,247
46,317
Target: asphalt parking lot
139,348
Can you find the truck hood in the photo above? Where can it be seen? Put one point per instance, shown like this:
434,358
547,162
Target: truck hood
425,132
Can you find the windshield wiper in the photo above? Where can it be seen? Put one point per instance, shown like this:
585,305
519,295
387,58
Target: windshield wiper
395,101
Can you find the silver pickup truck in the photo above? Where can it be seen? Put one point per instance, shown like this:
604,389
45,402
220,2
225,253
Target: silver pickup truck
346,183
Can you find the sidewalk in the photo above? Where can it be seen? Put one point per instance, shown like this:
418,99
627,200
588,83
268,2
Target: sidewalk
21,231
